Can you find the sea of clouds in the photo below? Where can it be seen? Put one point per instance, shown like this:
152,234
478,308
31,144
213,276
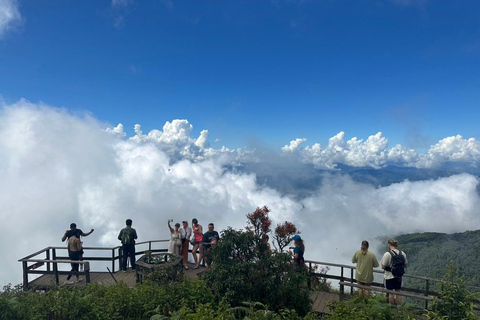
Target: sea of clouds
58,167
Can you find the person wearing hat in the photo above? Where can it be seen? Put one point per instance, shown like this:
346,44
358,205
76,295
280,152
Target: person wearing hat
298,251
175,244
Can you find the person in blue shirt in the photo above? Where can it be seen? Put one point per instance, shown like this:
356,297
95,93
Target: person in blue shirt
298,250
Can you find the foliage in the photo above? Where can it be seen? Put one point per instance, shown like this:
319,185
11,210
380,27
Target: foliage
244,270
455,301
374,308
258,221
283,235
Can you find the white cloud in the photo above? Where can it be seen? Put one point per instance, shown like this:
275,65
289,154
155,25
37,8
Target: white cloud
374,152
59,168
9,15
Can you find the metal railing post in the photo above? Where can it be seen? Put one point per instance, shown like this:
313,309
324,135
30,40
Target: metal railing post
113,259
351,280
55,265
86,267
342,280
309,276
48,258
25,275
427,288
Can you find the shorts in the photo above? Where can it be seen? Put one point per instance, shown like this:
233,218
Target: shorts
393,284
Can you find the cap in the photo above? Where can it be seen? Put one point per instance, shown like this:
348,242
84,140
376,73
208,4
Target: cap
177,224
297,237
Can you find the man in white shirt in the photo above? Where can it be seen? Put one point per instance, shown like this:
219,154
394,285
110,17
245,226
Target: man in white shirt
392,282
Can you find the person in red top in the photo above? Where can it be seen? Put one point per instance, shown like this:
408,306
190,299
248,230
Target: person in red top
198,237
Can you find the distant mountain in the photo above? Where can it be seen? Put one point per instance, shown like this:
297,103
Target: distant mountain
429,253
301,180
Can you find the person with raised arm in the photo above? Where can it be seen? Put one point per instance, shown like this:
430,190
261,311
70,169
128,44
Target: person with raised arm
175,243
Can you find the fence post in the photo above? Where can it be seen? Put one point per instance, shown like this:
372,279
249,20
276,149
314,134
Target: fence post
309,276
25,275
427,288
351,280
120,258
48,258
341,279
55,265
113,259
86,267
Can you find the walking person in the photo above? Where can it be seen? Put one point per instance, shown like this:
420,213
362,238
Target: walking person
197,245
365,261
186,232
175,243
127,236
74,247
77,233
394,263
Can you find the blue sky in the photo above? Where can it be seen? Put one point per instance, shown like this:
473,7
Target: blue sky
269,71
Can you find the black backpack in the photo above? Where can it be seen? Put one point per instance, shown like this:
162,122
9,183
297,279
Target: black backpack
398,264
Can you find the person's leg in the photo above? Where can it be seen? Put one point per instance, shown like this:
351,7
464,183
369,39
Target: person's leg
398,298
367,292
185,253
391,298
194,254
200,249
360,290
124,257
132,257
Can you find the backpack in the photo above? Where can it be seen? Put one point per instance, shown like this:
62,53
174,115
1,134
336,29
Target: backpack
398,264
126,240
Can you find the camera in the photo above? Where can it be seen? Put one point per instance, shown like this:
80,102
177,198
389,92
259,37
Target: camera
170,220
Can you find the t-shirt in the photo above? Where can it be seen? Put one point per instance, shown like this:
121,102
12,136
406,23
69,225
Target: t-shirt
387,261
77,233
365,264
298,251
186,234
207,238
131,231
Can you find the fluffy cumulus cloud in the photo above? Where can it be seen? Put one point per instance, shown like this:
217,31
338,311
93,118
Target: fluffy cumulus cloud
374,152
9,15
58,167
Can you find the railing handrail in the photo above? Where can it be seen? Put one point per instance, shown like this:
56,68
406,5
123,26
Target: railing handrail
380,271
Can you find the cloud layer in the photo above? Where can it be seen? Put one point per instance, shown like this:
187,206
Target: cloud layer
9,15
374,152
58,167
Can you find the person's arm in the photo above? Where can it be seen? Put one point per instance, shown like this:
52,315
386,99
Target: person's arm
87,234
200,229
169,227
65,236
120,235
354,259
375,262
135,234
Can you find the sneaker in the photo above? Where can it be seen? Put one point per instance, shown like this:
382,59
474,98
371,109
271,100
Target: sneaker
124,270
79,279
69,282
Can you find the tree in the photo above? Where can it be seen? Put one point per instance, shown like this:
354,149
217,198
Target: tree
244,270
258,221
283,235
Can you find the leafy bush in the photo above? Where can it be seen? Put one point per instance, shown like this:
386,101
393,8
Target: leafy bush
245,270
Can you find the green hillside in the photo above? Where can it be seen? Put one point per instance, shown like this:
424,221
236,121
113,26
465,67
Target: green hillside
429,253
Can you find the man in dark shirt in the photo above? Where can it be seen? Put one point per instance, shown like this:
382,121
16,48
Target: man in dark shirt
128,235
210,238
75,232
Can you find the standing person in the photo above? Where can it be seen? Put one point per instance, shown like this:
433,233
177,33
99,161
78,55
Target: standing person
175,239
128,235
298,251
393,262
210,238
365,261
197,237
186,232
77,233
74,247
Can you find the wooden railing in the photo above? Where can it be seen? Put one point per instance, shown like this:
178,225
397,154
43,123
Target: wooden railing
59,255
347,276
